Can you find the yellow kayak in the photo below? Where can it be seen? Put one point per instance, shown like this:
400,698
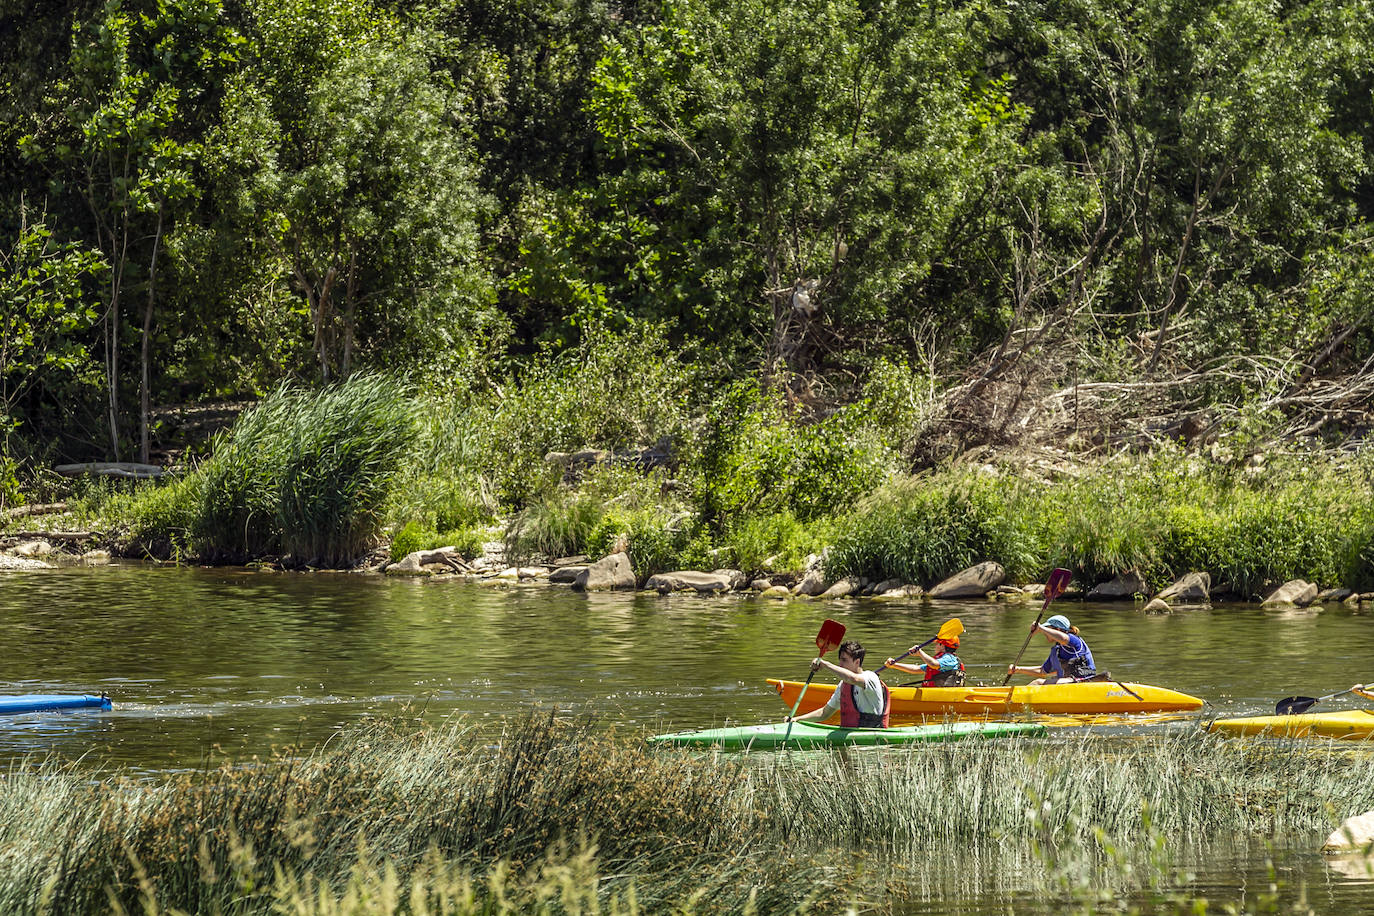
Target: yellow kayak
1345,723
912,704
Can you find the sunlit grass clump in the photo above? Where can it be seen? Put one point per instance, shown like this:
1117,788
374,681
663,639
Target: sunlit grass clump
308,473
1161,516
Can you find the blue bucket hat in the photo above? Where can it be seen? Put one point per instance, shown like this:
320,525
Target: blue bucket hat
1059,622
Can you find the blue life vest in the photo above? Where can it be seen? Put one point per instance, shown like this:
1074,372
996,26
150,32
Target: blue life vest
1074,663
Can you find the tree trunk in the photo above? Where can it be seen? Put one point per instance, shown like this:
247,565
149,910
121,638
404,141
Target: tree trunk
145,396
112,331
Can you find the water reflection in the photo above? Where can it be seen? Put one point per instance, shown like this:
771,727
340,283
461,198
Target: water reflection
203,660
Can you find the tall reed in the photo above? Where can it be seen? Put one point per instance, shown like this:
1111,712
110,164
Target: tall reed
923,529
307,472
551,809
667,832
1184,784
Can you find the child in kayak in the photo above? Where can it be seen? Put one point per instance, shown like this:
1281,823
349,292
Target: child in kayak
1070,658
861,698
943,669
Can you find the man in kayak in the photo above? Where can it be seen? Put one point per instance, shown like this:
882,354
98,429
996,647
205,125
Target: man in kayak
940,670
861,698
1070,658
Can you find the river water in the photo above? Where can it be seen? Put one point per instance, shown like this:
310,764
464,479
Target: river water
204,663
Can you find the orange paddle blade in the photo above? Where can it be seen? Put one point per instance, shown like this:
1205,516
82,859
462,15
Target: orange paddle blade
830,636
952,628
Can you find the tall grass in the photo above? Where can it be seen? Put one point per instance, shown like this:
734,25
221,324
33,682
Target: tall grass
555,816
923,529
515,808
1181,784
307,473
1160,516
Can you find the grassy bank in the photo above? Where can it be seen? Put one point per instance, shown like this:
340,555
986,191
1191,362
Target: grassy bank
559,817
1248,526
302,475
747,479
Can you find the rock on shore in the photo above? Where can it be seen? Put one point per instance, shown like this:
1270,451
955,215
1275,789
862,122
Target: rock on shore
973,582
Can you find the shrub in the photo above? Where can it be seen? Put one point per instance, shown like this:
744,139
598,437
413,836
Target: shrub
759,458
653,537
560,524
780,538
613,391
414,536
468,542
925,529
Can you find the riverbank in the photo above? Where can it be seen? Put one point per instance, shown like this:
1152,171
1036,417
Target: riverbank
1127,528
552,815
365,473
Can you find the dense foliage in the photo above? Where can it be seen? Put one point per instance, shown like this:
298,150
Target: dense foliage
228,195
803,246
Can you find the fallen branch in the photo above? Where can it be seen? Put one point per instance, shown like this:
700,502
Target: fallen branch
36,509
55,535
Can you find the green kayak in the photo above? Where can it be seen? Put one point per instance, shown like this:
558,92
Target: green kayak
810,734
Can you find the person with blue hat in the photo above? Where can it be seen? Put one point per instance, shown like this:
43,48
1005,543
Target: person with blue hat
1070,658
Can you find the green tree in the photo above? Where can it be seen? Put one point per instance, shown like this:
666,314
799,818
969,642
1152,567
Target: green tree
46,309
121,136
345,151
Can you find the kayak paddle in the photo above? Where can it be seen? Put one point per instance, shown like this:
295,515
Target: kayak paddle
1291,706
1054,587
830,636
952,628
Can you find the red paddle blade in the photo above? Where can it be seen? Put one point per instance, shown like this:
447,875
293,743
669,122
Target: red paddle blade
830,636
1056,583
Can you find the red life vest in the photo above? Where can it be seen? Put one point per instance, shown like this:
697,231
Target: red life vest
851,717
936,677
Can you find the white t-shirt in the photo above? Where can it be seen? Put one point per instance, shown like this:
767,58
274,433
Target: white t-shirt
868,698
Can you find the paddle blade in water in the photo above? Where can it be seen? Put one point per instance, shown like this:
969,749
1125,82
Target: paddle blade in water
830,636
1291,706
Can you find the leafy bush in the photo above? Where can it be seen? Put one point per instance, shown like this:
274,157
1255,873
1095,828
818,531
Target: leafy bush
415,536
775,543
613,391
167,513
760,458
924,529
